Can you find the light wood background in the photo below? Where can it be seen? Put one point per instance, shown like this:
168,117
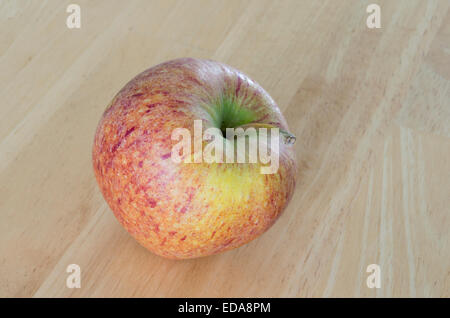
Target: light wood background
370,108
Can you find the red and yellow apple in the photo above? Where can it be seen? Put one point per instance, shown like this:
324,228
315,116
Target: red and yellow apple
187,210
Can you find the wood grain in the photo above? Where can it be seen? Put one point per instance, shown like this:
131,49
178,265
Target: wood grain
370,108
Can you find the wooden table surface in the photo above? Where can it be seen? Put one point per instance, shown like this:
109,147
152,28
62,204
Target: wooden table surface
370,108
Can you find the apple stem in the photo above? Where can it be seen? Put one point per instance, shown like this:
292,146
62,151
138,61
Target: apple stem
288,138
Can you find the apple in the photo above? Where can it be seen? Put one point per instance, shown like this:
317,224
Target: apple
182,210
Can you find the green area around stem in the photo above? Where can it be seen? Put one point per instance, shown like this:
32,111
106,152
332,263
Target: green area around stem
228,112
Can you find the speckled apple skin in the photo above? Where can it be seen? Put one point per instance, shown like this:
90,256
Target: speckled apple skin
186,210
